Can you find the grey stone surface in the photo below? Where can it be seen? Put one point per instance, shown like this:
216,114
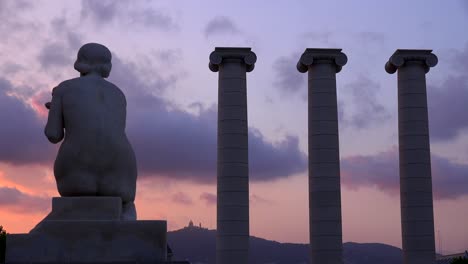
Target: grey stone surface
232,237
83,208
88,241
86,208
89,113
417,217
89,230
324,157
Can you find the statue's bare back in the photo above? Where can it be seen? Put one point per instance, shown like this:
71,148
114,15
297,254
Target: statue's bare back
95,158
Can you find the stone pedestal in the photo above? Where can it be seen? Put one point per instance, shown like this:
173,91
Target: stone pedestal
324,156
89,230
417,217
232,237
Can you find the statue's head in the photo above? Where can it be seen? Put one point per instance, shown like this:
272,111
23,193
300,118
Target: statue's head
94,58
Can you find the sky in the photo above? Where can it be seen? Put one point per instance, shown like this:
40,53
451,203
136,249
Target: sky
160,55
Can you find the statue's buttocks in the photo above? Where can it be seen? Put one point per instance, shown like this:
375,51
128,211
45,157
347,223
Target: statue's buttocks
95,158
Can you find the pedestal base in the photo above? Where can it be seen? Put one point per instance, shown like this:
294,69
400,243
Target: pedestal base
95,236
90,241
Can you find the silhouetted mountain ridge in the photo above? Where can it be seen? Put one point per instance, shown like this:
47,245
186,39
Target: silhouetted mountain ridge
198,245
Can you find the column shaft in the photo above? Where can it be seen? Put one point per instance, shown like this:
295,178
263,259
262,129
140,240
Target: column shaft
324,167
326,245
417,219
233,166
232,237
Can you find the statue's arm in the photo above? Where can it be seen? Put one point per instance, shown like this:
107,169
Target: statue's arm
54,128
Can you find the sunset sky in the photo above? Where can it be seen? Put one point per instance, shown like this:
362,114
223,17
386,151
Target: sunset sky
160,55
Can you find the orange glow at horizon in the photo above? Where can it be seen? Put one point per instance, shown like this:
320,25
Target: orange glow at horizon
369,215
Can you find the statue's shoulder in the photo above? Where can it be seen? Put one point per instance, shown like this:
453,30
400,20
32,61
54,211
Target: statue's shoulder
115,88
64,86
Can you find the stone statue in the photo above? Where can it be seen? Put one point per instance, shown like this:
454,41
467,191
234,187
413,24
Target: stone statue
89,113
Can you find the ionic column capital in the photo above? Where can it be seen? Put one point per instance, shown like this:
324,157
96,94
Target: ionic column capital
221,53
401,56
312,56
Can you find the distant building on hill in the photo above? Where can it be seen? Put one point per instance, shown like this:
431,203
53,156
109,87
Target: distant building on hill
447,259
192,226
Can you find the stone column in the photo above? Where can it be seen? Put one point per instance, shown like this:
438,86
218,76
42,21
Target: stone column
326,243
417,217
232,237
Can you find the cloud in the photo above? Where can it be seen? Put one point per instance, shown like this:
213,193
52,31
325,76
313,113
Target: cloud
322,38
126,13
447,108
449,179
14,21
54,54
379,170
168,142
181,198
367,109
370,37
287,78
272,161
102,11
209,198
173,143
447,102
18,202
22,139
220,25
255,199
464,5
10,68
57,53
169,57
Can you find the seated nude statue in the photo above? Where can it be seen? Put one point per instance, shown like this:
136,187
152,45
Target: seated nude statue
95,158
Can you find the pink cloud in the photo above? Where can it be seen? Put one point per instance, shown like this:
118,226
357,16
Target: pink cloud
209,198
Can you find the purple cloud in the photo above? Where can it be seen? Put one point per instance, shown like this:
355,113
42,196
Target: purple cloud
368,110
168,142
13,21
464,4
447,102
102,11
22,133
220,26
287,78
371,37
56,52
447,108
126,13
449,179
173,143
319,37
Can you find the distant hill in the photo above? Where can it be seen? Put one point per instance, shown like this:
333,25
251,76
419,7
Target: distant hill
198,245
